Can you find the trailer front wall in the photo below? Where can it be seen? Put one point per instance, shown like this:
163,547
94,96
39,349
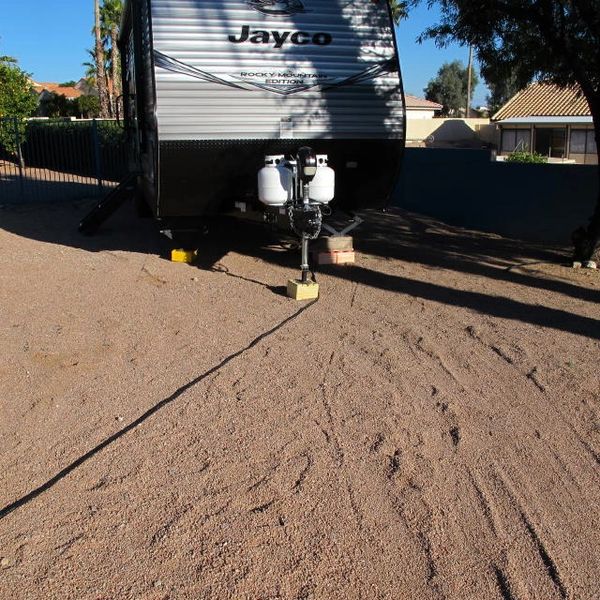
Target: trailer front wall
252,69
238,78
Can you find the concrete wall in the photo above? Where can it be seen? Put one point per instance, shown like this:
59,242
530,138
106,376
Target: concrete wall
464,187
450,130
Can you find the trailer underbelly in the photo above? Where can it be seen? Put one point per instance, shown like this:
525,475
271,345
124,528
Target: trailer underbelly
205,177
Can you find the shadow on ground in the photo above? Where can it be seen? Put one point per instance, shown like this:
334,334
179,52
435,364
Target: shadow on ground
399,235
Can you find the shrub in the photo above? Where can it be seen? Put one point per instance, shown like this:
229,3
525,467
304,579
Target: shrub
522,156
68,146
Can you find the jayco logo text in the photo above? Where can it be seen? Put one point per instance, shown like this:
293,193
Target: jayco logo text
279,38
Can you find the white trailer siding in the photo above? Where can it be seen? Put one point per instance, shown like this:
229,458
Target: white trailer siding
231,69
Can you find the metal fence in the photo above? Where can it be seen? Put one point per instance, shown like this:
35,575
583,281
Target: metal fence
51,160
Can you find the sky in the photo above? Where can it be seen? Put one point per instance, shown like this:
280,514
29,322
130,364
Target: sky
421,62
49,38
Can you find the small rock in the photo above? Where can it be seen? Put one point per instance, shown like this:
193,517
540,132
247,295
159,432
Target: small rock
194,279
5,563
158,583
577,264
120,419
590,264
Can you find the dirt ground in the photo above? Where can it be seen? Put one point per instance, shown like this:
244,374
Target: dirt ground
430,428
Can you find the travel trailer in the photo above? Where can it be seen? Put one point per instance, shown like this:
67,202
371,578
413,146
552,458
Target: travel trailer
214,91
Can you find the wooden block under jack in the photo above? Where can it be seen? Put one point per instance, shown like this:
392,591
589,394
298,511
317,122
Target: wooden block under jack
343,257
183,256
302,291
336,243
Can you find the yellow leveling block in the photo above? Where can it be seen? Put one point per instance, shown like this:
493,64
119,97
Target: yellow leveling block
183,256
302,291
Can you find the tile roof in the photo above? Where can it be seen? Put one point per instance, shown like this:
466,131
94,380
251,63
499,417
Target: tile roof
545,100
55,88
415,103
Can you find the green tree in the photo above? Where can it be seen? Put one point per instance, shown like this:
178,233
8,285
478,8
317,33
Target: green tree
58,105
502,89
449,88
17,101
548,40
88,107
17,97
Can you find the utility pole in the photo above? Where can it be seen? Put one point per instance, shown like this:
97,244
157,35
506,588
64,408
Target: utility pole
469,79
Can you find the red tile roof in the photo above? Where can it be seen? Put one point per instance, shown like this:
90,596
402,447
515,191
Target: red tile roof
416,103
545,100
69,92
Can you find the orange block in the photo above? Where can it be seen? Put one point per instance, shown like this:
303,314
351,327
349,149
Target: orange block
342,257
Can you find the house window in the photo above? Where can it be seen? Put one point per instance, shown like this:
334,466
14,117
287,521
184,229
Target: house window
550,141
578,141
515,139
590,147
583,141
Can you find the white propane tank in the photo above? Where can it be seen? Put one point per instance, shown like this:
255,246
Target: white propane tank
275,181
322,187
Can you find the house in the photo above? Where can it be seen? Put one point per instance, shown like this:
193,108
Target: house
87,87
48,93
45,91
551,120
419,108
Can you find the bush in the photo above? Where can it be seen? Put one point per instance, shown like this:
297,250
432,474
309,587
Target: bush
68,146
530,158
17,102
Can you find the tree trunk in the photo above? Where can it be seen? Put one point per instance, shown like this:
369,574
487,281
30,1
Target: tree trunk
586,240
116,68
109,93
100,68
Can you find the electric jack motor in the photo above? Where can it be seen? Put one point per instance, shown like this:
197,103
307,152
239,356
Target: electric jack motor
302,185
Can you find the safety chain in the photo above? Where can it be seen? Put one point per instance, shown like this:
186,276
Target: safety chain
306,219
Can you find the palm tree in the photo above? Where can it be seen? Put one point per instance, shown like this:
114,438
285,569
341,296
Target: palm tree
110,20
399,8
99,58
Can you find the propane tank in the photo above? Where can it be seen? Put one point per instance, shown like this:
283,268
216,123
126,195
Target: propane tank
275,181
322,187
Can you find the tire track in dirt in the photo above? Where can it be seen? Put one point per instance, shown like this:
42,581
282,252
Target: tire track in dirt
504,584
560,424
532,376
549,564
404,482
332,397
548,561
416,515
502,579
483,501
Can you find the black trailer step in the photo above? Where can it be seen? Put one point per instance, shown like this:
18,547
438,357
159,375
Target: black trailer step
109,205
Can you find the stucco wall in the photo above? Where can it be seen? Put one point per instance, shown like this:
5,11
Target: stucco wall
412,114
450,130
